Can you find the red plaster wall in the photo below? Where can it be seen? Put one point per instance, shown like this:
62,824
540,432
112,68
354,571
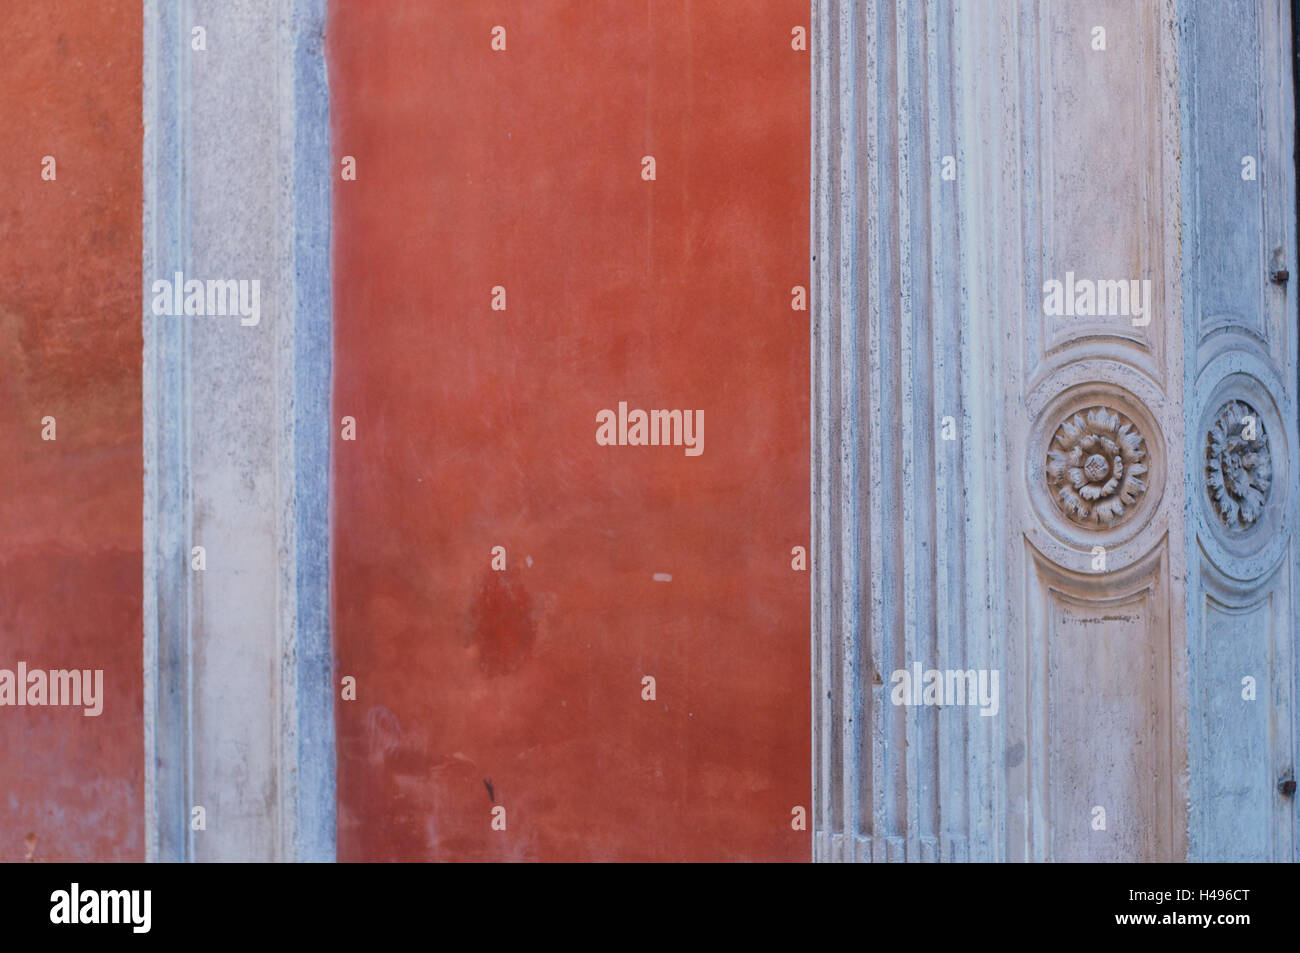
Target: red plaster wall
476,428
71,787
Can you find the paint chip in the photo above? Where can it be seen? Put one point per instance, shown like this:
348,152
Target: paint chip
663,577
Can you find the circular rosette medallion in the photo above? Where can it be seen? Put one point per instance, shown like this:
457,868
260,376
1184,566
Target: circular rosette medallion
1096,468
1238,468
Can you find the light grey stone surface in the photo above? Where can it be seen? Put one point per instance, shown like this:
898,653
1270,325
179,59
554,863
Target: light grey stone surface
239,707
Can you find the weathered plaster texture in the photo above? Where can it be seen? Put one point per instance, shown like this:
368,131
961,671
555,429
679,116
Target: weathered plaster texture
71,787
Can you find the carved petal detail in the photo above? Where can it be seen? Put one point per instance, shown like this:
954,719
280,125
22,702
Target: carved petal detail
1095,466
1238,465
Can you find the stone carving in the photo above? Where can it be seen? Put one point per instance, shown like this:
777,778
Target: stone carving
1095,464
1238,467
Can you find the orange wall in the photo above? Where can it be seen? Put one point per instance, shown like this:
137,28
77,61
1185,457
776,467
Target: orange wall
71,787
476,428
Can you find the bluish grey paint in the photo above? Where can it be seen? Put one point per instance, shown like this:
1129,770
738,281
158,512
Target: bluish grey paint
1243,616
166,445
313,358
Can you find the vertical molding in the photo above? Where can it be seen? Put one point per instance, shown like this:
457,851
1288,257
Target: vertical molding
166,607
313,753
850,421
238,660
818,458
985,54
892,328
956,625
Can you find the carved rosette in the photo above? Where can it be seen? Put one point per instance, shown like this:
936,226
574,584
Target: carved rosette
1238,467
1095,466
